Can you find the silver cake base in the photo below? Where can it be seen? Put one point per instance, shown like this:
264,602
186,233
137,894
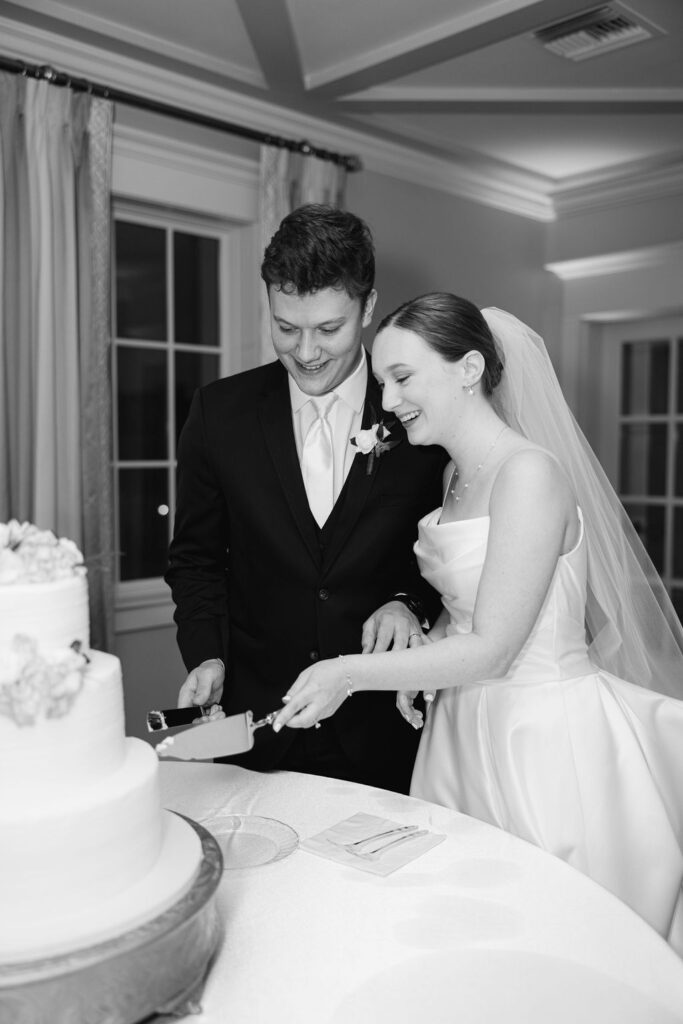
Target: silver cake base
157,968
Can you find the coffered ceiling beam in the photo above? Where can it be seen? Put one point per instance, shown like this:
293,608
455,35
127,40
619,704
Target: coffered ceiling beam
270,30
460,42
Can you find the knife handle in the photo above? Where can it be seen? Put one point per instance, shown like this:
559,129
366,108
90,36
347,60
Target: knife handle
168,718
268,720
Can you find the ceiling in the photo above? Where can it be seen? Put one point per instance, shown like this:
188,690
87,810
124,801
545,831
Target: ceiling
461,80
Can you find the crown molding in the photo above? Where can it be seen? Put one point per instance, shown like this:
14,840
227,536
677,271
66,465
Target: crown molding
507,95
617,262
642,180
511,193
527,196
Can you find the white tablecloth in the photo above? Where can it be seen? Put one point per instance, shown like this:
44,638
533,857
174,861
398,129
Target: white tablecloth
481,929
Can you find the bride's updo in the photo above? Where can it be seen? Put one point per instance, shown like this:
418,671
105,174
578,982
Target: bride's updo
451,326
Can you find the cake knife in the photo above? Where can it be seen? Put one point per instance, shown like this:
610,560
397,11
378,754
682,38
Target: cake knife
222,738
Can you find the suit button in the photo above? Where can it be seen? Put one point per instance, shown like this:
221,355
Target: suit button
323,594
313,655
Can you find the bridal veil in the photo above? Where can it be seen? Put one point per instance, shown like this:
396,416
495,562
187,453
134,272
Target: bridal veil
633,630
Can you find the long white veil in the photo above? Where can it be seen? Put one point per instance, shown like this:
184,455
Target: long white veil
632,627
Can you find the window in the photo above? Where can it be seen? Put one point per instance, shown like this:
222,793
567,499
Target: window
169,339
641,436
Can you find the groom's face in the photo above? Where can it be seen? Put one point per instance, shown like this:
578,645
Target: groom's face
317,336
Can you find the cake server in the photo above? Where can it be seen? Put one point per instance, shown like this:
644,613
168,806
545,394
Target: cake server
223,738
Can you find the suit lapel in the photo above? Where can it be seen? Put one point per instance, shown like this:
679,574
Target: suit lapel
275,414
358,483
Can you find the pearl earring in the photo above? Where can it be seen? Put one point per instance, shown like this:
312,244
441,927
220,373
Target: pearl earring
468,388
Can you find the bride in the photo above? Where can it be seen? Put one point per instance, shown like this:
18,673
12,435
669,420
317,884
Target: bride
547,610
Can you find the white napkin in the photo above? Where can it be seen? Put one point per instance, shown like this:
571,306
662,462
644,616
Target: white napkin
361,826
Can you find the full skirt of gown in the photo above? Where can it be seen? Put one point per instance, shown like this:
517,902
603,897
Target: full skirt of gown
583,764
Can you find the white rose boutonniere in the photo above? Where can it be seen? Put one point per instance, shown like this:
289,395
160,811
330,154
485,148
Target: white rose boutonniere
374,441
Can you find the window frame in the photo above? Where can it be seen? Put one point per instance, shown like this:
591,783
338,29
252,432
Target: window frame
612,339
146,603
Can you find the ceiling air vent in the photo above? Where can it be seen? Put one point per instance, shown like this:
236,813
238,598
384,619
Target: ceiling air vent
603,28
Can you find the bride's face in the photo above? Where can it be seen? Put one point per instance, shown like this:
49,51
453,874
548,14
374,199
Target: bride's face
420,387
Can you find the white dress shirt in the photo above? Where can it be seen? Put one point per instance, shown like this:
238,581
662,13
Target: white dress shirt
345,418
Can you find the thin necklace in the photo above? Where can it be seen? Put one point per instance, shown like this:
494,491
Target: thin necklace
456,475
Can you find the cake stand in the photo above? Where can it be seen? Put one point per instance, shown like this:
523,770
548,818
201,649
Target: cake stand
156,968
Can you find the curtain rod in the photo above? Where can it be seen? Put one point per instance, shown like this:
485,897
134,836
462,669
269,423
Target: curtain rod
49,74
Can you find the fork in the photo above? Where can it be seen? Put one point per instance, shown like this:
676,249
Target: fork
368,839
393,842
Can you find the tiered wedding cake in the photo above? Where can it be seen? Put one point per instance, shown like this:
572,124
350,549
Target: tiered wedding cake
86,851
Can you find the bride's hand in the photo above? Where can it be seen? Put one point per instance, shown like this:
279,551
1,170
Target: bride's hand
316,694
404,703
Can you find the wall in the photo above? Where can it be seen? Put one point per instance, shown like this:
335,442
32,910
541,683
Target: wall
152,674
621,261
617,227
432,241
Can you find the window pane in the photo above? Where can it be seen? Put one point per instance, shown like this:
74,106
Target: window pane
645,377
643,458
678,542
143,515
192,370
648,521
196,289
142,403
140,281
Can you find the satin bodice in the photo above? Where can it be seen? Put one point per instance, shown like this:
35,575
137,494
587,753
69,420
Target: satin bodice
451,557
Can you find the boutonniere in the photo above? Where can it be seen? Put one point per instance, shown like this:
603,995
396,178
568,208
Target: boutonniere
374,441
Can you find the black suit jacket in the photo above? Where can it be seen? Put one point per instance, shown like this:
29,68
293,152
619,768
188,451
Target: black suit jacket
257,583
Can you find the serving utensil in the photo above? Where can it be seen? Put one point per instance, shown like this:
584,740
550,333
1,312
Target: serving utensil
221,738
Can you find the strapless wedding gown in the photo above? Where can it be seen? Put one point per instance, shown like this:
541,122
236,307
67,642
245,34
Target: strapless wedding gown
583,764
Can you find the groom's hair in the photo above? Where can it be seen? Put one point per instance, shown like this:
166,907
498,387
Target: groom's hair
317,247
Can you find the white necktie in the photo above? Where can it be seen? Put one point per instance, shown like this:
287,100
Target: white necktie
317,462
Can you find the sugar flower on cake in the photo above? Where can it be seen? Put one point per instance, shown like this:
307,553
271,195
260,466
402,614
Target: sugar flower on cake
35,685
31,555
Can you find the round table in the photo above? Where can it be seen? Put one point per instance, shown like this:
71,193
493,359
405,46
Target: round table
482,928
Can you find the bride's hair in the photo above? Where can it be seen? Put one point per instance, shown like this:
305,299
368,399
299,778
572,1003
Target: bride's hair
451,326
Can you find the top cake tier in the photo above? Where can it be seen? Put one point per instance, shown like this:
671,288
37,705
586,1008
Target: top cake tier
43,588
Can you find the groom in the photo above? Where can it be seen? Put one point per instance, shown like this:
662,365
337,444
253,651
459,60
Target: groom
291,543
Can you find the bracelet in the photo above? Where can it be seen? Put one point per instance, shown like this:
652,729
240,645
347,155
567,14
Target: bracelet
349,684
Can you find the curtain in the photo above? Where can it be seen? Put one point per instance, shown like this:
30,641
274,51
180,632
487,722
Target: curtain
288,180
55,416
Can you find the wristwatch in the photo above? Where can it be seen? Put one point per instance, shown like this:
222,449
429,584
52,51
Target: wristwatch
413,604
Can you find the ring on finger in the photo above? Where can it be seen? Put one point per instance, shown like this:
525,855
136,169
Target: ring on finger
410,637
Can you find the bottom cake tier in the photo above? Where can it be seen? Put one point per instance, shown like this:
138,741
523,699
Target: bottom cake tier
82,920
155,967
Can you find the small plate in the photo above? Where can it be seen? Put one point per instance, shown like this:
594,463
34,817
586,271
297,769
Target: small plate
247,840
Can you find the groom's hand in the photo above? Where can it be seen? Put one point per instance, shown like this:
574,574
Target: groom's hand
204,685
393,625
